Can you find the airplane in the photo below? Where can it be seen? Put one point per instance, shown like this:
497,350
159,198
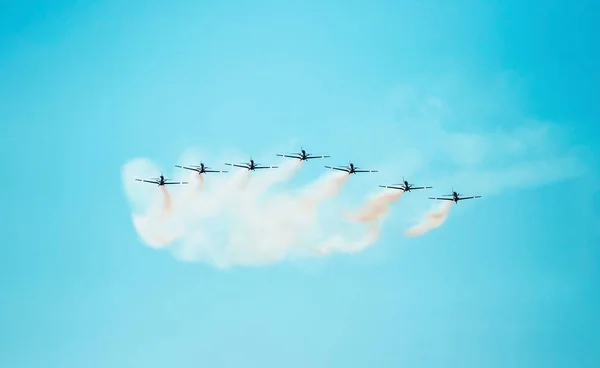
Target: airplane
200,169
454,197
350,169
405,186
302,156
252,166
161,181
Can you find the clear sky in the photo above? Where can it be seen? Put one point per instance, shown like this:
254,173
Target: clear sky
498,98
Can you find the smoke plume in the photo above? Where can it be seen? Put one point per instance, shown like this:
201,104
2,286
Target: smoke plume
432,220
248,217
152,207
376,207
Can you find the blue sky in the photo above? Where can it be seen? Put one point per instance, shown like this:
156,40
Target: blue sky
493,98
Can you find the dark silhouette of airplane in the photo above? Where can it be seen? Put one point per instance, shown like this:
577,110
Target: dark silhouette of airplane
252,165
350,169
200,169
454,197
405,186
302,156
161,181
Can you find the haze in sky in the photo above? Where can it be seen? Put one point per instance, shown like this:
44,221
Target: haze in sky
299,266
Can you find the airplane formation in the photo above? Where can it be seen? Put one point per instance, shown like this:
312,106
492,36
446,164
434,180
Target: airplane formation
303,156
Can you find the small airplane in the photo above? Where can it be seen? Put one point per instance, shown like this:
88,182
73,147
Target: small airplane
302,156
252,166
200,169
405,186
350,169
161,181
454,197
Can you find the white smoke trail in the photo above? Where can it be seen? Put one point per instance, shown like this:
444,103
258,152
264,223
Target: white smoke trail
254,228
432,220
370,213
242,219
350,243
376,207
155,231
153,214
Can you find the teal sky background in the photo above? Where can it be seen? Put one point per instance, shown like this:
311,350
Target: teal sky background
497,98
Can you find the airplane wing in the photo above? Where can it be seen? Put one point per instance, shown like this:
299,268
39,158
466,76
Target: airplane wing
391,187
266,167
442,199
148,181
188,168
461,198
365,171
242,166
412,188
290,156
338,168
309,157
176,182
219,171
